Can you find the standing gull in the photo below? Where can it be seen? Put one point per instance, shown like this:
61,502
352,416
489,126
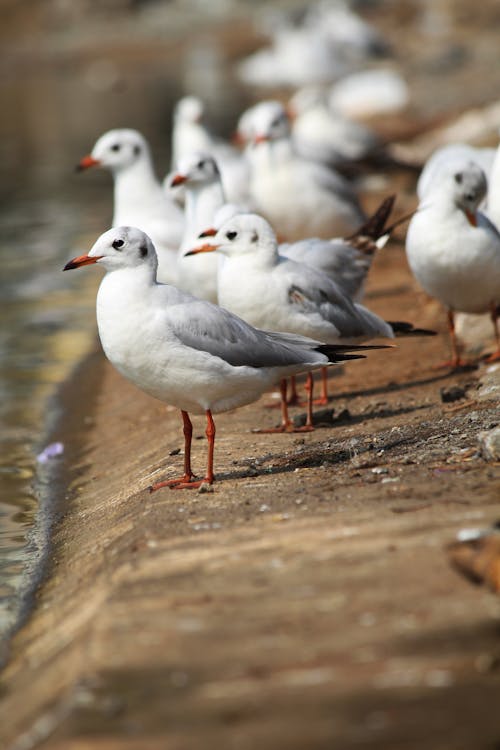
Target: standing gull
454,250
139,199
187,352
277,293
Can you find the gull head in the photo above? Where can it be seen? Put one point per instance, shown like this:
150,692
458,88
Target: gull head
118,248
196,169
244,234
189,109
469,186
117,150
266,121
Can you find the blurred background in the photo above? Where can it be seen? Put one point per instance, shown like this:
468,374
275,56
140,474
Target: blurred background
72,69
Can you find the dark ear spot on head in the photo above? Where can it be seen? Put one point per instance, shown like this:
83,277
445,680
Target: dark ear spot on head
255,237
143,251
137,150
459,178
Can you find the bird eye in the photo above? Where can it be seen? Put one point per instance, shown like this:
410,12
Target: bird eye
201,164
115,147
458,178
231,235
118,244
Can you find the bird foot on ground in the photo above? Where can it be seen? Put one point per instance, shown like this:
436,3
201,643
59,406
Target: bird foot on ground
186,479
289,427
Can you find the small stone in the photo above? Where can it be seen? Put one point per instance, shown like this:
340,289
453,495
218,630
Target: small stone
489,444
205,487
451,394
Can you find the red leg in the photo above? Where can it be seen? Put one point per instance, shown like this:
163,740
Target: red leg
286,423
310,390
456,361
188,474
494,319
210,433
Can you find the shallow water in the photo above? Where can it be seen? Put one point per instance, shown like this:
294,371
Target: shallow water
53,113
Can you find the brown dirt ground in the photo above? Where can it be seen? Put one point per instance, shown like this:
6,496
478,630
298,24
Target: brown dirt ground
307,602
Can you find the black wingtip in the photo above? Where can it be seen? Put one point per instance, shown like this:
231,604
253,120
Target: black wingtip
342,352
402,328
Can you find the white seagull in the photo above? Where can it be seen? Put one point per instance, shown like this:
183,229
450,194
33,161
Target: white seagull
454,250
276,293
185,351
199,175
300,197
139,199
189,134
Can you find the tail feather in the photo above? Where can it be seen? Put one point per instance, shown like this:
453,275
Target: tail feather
374,226
342,352
401,328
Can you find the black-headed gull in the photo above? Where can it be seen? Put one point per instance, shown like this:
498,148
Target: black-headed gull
300,197
453,156
454,250
189,134
199,175
185,351
276,293
139,199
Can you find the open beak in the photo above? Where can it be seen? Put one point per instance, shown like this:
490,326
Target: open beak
178,179
211,232
86,163
471,216
202,249
81,260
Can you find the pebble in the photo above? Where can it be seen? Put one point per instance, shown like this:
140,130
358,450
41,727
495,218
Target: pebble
489,444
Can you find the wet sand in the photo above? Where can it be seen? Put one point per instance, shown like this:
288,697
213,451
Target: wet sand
306,602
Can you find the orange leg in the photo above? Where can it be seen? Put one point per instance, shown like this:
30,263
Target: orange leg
286,423
209,478
456,361
494,319
188,475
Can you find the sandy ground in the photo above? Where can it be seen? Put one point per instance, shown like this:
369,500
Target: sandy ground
307,602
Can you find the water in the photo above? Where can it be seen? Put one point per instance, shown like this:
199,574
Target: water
53,109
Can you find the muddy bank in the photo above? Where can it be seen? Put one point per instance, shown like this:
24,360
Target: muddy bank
306,602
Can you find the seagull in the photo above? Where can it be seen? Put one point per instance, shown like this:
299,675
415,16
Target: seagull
298,196
139,199
453,155
276,293
321,134
454,250
199,174
190,134
185,351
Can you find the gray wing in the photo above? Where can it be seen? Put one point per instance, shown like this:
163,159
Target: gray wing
208,328
314,294
342,263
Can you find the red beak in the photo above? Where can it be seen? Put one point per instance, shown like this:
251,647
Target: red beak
211,232
178,179
202,249
81,260
471,217
260,139
86,162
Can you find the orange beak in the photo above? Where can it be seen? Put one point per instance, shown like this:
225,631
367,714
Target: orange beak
86,162
260,139
211,232
81,260
178,179
471,217
202,249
